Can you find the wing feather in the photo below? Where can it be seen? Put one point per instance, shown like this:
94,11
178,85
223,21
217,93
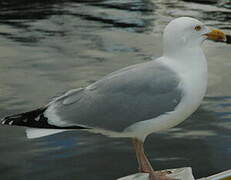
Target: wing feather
137,93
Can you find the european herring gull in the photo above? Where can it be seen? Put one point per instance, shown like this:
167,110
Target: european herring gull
137,100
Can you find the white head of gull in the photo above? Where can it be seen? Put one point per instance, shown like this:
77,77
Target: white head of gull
182,34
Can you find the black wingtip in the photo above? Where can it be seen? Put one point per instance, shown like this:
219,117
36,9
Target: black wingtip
6,121
23,119
34,119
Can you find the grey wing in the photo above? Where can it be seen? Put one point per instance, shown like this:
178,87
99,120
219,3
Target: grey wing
121,99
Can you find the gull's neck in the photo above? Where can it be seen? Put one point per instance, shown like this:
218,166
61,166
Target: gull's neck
186,55
191,66
187,60
182,51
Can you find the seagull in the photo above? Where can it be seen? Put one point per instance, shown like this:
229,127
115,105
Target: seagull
137,100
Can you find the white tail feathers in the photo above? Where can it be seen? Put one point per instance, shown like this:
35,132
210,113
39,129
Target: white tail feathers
32,133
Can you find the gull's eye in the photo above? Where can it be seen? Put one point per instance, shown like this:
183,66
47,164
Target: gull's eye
197,28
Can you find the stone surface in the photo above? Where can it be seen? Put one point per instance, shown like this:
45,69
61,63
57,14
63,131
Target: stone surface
182,174
179,173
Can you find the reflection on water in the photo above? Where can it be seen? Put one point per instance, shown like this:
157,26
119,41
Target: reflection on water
50,47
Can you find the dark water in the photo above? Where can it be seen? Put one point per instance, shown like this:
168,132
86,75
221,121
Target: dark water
48,47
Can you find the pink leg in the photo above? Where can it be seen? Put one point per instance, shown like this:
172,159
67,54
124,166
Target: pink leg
144,164
137,151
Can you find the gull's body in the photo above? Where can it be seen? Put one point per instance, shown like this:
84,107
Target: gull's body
137,100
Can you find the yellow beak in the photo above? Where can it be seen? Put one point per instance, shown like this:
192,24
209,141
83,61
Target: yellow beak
216,35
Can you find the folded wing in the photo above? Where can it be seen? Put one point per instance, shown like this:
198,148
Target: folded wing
130,95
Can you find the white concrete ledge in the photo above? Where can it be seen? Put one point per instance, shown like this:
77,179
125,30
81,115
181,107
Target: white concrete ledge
179,173
182,174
